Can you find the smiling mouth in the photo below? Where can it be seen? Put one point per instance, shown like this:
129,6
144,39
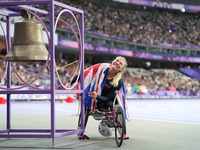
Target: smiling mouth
116,65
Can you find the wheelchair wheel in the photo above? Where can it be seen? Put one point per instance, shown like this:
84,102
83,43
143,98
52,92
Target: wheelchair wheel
120,128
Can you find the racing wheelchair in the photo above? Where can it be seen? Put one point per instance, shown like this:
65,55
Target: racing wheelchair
112,118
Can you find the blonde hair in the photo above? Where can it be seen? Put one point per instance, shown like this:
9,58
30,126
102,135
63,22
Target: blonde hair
118,76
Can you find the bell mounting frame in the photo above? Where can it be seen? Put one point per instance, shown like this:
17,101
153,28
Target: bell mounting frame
52,133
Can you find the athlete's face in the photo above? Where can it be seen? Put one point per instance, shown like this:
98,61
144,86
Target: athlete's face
118,64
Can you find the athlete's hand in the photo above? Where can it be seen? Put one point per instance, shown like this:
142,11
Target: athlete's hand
92,94
68,85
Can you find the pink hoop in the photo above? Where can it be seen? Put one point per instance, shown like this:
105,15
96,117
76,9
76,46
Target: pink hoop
79,55
80,47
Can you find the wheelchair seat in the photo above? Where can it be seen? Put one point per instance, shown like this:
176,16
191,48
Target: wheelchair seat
98,115
101,109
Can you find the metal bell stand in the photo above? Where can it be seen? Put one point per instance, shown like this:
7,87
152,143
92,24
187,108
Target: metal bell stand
52,132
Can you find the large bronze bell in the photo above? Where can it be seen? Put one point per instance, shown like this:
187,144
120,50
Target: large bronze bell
28,43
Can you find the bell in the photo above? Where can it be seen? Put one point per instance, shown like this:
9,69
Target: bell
28,44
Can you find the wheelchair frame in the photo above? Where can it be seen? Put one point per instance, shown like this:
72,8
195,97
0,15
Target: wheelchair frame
114,118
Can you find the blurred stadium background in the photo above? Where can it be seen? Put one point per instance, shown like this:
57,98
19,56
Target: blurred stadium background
160,39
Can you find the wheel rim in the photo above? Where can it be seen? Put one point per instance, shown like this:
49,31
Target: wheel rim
119,129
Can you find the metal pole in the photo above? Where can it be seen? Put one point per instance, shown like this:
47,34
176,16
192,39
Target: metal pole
82,72
8,75
52,71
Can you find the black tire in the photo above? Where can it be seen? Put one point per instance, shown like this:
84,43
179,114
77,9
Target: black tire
120,128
